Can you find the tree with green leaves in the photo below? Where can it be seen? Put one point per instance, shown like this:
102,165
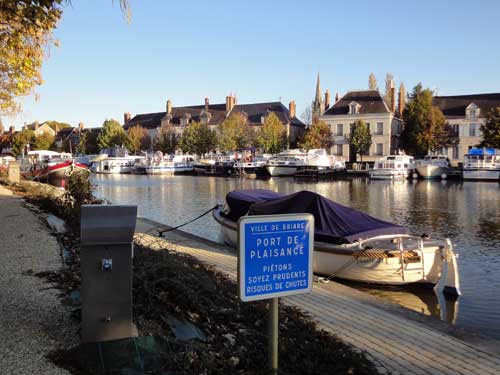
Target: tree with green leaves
166,140
272,135
360,139
21,139
26,29
197,139
57,125
139,139
5,141
425,124
112,135
389,84
491,129
87,144
318,135
44,141
235,133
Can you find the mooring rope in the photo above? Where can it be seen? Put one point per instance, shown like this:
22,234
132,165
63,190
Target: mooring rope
160,232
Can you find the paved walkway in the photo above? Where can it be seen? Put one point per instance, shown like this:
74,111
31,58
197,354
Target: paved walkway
32,320
394,342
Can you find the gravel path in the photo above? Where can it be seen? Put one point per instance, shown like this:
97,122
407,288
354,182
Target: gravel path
32,320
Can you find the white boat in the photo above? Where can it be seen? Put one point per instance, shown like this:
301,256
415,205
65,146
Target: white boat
160,165
286,163
367,250
393,167
115,161
434,166
482,164
251,165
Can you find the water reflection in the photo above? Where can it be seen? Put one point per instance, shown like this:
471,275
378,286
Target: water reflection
467,212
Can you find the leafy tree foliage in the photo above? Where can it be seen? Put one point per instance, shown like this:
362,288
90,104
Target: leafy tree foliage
44,141
166,140
112,135
389,81
25,33
5,141
272,135
88,141
25,37
425,125
21,139
197,139
317,135
491,130
235,133
360,138
372,82
139,139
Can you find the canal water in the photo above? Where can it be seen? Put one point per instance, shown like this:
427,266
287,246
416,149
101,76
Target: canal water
466,212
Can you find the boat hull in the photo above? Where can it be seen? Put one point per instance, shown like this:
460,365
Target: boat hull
389,174
58,175
281,170
481,174
432,171
352,264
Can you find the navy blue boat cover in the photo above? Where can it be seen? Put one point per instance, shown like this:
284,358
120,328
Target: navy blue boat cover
334,223
239,201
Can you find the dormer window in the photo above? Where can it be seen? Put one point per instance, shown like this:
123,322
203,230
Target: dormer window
354,108
472,111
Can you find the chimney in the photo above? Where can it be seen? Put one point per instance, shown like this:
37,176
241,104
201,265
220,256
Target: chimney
126,118
337,97
327,99
206,104
169,107
393,97
80,124
292,109
56,129
12,129
37,125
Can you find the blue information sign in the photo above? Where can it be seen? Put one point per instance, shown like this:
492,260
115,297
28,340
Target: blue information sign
275,255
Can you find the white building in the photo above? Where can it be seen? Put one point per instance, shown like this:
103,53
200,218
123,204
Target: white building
466,114
369,106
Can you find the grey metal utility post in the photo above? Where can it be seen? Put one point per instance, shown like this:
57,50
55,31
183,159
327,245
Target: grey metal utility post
106,265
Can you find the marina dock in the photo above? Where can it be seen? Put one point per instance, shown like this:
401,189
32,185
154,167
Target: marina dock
397,342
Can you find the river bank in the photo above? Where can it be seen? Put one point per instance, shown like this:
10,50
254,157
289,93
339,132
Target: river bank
172,289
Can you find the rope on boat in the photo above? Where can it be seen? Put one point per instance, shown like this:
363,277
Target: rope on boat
160,232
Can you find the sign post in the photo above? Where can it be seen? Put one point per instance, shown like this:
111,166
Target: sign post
275,260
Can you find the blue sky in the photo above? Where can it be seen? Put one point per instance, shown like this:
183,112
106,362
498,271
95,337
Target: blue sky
260,50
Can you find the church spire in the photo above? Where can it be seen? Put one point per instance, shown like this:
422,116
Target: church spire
318,106
317,99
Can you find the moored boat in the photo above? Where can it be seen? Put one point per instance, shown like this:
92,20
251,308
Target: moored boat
393,167
349,244
434,166
115,160
482,164
286,163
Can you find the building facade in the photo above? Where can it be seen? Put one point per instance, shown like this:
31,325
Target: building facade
466,114
384,123
178,118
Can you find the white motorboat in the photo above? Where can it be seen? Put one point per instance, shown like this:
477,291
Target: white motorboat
393,167
348,243
159,165
286,163
434,166
115,161
482,164
251,165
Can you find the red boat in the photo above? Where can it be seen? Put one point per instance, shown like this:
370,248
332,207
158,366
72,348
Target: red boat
58,173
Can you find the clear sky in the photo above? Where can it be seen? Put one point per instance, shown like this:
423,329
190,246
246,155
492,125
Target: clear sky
260,50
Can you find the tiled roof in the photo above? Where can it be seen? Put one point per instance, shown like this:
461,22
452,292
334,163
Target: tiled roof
257,111
64,133
454,106
218,113
370,101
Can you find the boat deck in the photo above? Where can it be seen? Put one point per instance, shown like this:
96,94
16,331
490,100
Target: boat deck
398,341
